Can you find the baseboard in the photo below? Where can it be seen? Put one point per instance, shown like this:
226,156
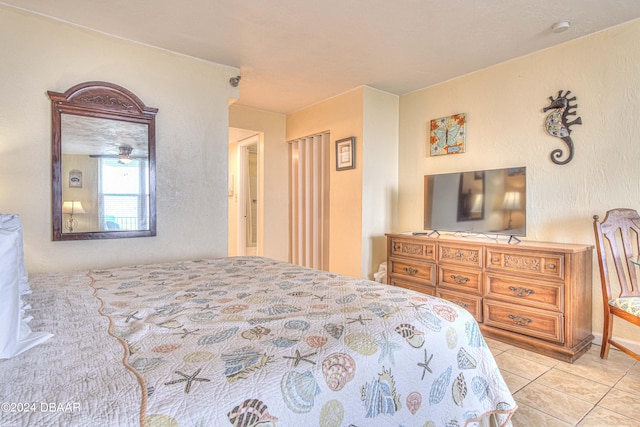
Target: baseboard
632,345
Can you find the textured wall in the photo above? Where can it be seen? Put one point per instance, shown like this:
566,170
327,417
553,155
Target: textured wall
191,134
505,128
379,176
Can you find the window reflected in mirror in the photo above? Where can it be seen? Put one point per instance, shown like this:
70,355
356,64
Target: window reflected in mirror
124,195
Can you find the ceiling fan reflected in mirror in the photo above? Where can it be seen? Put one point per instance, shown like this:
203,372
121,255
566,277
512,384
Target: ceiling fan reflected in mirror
124,155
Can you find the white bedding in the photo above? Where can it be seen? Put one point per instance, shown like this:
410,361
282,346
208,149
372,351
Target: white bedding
15,334
249,341
75,378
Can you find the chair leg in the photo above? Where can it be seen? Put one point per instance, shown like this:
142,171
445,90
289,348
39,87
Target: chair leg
606,334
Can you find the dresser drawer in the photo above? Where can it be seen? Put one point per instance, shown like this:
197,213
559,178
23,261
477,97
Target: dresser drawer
460,254
425,251
523,320
540,264
413,269
457,278
473,304
414,286
543,295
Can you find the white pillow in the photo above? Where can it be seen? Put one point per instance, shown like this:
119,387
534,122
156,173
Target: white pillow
11,222
15,334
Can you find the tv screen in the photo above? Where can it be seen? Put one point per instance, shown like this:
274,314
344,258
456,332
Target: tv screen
483,201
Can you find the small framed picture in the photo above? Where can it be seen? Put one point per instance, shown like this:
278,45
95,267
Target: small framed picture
447,135
346,153
75,178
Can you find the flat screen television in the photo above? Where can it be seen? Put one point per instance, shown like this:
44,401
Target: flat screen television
491,202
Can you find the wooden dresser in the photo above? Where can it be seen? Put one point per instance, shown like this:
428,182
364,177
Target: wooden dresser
532,295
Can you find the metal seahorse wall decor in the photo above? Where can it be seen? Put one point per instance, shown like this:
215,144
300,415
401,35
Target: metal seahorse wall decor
558,125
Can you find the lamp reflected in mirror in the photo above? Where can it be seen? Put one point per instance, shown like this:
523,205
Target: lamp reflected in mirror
477,204
72,207
511,202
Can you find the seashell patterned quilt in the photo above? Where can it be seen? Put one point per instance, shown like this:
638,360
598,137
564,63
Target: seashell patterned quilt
250,341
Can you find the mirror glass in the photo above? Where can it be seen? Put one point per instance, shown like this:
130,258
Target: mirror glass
103,164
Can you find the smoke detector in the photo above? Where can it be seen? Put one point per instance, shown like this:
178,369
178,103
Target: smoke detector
560,27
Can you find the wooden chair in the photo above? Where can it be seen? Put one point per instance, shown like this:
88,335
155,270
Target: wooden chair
618,241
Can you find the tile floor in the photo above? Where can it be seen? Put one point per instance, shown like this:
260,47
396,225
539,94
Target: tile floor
588,392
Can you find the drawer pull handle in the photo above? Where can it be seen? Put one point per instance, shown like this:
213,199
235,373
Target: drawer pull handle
495,259
458,254
397,247
429,251
552,266
521,292
519,320
460,303
410,271
459,279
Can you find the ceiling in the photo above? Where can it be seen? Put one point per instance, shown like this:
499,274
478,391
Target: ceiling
294,53
98,136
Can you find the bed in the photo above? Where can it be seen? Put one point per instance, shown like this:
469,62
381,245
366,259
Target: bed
247,341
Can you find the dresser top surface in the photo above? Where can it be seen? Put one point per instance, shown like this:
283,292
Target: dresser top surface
501,241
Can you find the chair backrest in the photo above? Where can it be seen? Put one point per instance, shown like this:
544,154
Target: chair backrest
618,236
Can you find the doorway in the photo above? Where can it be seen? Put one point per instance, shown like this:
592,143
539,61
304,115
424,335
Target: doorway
248,197
244,192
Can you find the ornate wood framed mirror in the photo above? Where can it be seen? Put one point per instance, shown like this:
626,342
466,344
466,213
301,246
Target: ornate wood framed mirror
103,163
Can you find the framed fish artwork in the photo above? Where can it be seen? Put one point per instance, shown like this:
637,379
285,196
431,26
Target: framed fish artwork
447,135
75,178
